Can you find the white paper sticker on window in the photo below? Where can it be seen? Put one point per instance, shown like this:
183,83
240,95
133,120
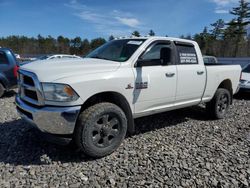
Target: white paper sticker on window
134,42
188,58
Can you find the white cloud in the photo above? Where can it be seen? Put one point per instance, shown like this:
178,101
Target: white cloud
224,2
221,11
131,22
113,22
223,6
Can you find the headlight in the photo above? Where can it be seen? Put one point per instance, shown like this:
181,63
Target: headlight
59,92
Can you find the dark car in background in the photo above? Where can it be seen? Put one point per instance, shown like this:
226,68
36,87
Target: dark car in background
8,70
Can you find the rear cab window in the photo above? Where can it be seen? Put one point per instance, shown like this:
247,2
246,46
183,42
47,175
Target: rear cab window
3,58
186,53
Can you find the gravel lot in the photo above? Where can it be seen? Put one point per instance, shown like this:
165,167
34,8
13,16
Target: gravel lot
180,148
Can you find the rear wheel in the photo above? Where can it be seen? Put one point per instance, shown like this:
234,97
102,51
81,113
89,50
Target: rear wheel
2,90
100,129
218,106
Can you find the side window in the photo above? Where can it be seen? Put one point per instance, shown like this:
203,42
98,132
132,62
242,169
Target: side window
206,60
212,61
154,53
187,54
3,59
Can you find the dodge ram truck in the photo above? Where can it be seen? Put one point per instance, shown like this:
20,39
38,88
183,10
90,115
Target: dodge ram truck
94,101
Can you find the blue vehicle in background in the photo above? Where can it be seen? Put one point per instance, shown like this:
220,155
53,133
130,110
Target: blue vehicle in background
8,70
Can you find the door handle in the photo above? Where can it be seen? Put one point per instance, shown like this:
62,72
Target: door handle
200,72
170,74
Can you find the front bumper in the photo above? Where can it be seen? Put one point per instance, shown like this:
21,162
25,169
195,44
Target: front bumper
244,90
53,120
245,87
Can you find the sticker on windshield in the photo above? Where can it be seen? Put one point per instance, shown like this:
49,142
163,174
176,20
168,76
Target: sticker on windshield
135,42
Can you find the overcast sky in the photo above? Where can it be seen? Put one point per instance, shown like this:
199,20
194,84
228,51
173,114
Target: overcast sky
101,18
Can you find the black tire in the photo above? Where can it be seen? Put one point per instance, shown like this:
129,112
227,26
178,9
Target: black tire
2,90
217,108
100,129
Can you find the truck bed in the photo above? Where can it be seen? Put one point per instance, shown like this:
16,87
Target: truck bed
216,74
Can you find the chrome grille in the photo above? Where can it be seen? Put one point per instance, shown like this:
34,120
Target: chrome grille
30,89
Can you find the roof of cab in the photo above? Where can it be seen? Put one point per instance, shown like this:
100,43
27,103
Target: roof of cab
158,38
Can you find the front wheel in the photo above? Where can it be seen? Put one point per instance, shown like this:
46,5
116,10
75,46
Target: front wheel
100,129
219,105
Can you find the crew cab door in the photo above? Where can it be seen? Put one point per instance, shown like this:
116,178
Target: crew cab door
191,75
155,81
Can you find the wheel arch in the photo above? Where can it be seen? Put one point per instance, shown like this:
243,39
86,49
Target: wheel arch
227,84
115,98
4,81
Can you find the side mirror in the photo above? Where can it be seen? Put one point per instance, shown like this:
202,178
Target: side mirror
140,63
165,56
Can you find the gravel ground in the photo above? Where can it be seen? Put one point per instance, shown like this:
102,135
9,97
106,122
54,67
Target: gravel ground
183,148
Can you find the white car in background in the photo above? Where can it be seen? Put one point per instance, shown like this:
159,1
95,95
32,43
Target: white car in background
18,56
245,79
210,60
57,56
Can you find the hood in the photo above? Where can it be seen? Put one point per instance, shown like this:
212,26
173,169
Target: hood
51,70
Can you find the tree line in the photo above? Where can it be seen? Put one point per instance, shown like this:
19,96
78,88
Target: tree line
49,45
219,39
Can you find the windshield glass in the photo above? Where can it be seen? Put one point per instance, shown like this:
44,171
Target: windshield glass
246,69
117,50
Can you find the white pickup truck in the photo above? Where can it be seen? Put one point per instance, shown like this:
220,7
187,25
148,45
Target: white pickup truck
94,100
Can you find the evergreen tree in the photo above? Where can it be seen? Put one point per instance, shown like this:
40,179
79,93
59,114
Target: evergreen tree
95,43
237,27
151,33
111,38
75,44
85,48
136,34
218,29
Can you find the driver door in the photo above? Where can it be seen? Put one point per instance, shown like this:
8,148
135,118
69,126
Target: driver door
155,83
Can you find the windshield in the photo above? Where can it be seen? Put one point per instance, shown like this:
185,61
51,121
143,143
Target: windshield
117,50
246,69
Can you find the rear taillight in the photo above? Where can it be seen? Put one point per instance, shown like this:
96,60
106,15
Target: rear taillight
16,68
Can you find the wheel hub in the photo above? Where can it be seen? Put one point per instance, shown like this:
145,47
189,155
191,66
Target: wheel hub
105,130
223,103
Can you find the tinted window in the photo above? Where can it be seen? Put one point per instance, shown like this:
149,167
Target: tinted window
187,54
117,50
212,60
246,69
209,60
206,60
154,53
3,58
